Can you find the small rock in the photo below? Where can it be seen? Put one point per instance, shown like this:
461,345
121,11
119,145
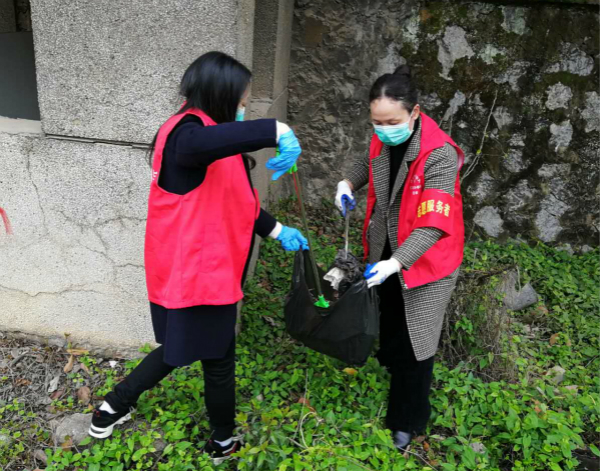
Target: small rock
75,426
585,249
566,248
112,363
574,389
40,456
5,441
557,374
478,448
513,299
160,445
488,218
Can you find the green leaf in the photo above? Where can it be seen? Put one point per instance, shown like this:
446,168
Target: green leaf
138,454
85,441
469,457
183,445
594,450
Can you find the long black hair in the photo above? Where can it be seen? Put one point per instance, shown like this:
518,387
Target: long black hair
214,83
399,86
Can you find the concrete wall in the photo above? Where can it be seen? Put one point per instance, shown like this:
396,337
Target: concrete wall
75,262
76,193
530,68
109,69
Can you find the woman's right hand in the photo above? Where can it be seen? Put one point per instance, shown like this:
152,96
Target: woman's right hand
344,199
289,151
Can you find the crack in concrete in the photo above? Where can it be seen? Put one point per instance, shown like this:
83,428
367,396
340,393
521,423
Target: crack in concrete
71,289
37,193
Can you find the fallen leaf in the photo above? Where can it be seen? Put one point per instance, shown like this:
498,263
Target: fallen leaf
22,382
540,310
69,366
77,351
40,456
84,395
57,394
305,401
350,371
420,439
53,386
67,445
569,342
85,368
425,446
554,339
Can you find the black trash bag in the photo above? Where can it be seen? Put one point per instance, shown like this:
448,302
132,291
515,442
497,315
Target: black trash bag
347,330
351,268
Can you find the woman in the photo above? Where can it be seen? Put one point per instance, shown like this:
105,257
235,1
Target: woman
203,213
413,235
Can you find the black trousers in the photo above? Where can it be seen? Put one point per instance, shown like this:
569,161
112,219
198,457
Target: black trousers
219,384
408,406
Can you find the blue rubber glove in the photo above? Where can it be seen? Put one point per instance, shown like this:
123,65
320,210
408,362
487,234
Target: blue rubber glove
289,151
292,240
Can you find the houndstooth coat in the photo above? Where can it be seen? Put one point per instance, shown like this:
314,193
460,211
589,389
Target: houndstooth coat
425,305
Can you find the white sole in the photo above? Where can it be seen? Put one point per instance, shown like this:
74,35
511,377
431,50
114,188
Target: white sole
218,461
98,432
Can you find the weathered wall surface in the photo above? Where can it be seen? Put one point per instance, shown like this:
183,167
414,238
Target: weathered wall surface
109,69
75,262
531,71
108,75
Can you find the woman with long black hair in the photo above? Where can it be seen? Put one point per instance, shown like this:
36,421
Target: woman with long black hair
413,238
203,213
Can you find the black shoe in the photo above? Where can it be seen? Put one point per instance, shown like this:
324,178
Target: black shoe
219,453
104,422
401,439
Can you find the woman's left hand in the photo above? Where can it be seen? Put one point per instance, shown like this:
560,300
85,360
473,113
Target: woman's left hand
289,151
291,239
381,271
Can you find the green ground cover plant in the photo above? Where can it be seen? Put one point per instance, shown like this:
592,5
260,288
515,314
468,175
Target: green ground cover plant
495,405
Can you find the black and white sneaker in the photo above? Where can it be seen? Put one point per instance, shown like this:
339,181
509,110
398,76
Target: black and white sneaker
401,440
103,422
219,453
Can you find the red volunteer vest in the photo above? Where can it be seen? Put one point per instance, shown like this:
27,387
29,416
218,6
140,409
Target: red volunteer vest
425,208
197,244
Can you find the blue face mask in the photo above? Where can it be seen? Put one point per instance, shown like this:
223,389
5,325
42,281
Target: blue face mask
393,135
239,115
